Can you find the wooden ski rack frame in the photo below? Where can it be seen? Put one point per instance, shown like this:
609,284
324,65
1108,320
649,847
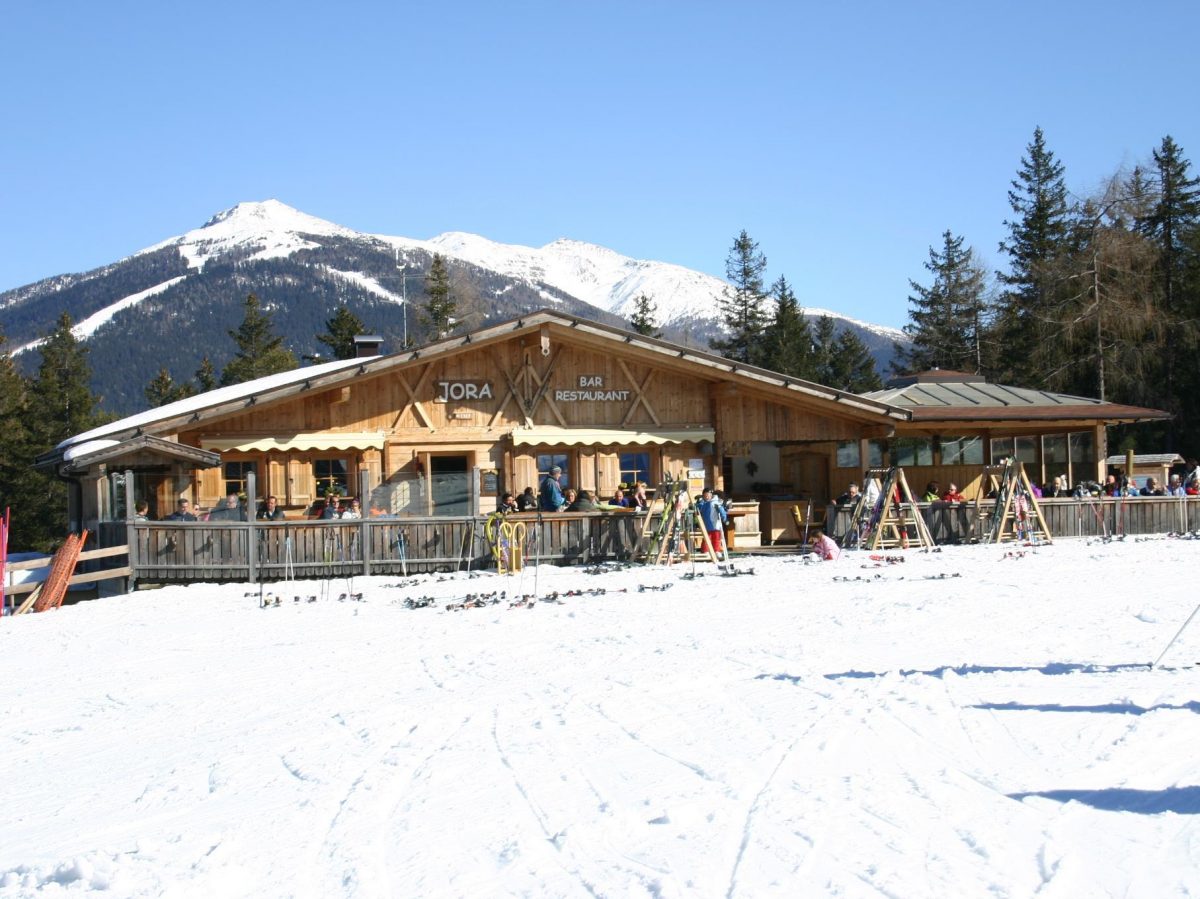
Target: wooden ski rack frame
897,516
1009,481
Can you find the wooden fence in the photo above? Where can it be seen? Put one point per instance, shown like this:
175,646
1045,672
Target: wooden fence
958,522
177,552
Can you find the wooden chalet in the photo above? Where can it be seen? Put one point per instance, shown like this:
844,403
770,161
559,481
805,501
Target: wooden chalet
444,429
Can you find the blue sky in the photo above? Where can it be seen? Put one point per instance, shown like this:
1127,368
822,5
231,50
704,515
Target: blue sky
844,138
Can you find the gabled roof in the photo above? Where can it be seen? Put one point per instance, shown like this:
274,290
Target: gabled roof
239,397
82,455
956,396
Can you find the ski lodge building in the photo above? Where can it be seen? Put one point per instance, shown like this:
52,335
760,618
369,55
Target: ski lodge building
445,429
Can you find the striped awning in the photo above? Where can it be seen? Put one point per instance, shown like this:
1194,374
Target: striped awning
321,440
550,435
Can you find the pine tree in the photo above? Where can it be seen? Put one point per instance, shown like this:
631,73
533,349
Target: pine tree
787,345
945,318
162,389
342,329
1173,225
1037,235
644,319
260,351
17,479
206,376
841,360
61,393
742,302
438,313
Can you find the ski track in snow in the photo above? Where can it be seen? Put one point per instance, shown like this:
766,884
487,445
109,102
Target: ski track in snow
787,734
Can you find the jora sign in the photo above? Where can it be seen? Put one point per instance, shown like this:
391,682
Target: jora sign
462,390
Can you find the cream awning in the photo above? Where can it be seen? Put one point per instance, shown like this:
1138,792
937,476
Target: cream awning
323,440
555,436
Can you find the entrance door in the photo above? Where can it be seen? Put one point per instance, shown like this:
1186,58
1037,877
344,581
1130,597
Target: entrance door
449,487
810,475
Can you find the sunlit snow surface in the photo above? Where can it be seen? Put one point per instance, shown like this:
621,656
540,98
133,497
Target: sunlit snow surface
808,730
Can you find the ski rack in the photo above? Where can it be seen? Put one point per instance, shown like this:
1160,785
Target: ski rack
892,520
680,529
1016,515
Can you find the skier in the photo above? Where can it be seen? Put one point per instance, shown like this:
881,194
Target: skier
712,513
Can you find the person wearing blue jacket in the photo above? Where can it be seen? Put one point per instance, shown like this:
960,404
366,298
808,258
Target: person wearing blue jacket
712,513
550,495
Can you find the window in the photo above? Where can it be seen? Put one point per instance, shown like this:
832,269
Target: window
235,476
875,453
1002,448
1083,448
332,476
635,466
847,454
912,451
546,461
1026,449
1054,450
962,450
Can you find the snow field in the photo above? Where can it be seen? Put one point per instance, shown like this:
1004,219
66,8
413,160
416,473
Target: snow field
788,733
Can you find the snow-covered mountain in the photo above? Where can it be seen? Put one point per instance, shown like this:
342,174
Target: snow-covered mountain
192,287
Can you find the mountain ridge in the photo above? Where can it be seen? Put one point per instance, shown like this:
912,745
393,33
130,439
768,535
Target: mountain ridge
191,288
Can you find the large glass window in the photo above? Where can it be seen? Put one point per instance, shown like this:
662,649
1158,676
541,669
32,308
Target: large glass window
332,476
546,461
848,455
235,475
635,466
961,450
1083,448
1002,448
1026,449
875,453
909,451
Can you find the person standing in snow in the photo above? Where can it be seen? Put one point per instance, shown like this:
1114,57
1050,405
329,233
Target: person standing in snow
712,513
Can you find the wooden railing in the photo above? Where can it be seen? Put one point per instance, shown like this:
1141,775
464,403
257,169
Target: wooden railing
959,523
86,571
173,552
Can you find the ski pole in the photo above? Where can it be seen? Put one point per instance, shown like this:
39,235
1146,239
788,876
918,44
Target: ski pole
1176,637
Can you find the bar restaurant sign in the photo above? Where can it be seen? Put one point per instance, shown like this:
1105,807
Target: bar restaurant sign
591,389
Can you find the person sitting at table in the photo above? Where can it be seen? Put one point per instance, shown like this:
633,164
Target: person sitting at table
270,510
619,499
1152,488
952,495
932,493
850,497
508,503
183,512
638,501
582,502
354,510
527,501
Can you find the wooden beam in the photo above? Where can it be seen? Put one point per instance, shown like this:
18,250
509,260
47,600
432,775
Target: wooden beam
639,394
412,392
